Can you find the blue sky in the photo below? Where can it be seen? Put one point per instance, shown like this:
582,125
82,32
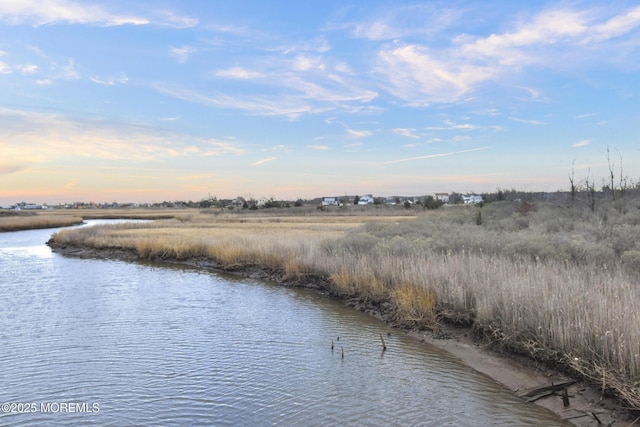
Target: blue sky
176,100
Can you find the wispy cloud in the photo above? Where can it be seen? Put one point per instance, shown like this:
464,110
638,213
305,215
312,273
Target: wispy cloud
279,147
70,184
419,75
24,69
449,125
358,133
9,168
616,26
41,13
392,22
37,13
534,94
408,132
332,90
27,138
237,73
182,53
172,19
319,147
582,143
422,74
307,63
285,106
268,159
27,69
295,94
110,81
289,84
214,147
66,71
411,146
353,147
432,156
528,121
316,45
511,48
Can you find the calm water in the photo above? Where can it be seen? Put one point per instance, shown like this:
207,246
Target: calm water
92,342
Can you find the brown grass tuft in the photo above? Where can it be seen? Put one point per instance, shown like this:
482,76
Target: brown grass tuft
415,306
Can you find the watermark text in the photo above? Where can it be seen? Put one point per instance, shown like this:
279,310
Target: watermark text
50,407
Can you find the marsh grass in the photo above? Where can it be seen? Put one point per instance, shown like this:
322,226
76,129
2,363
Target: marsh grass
556,283
11,221
414,305
366,286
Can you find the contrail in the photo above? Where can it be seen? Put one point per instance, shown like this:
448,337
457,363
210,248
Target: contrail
430,156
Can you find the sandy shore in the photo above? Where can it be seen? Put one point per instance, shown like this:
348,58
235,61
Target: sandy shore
522,376
519,374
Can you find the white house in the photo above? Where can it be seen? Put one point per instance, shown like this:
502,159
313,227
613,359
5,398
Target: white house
472,200
443,197
367,199
329,201
238,202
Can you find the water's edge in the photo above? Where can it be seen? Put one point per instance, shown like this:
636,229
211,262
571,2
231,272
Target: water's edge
519,374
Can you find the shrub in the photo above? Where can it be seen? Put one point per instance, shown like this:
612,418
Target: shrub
631,261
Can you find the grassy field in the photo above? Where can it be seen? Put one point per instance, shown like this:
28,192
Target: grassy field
557,283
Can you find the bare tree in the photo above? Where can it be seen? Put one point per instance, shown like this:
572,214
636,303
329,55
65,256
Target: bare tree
572,181
624,180
612,185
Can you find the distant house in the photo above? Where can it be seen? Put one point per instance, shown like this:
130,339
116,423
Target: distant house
238,202
329,201
367,199
472,199
391,201
26,206
443,197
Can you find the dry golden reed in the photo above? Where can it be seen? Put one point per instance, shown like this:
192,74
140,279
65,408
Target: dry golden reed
37,220
366,286
414,305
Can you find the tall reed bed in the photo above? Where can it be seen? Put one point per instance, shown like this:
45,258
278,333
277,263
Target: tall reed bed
35,220
557,283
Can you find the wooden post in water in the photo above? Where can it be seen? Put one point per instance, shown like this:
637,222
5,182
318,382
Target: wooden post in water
331,346
342,350
565,397
384,345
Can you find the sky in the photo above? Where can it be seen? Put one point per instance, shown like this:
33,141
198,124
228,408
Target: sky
147,101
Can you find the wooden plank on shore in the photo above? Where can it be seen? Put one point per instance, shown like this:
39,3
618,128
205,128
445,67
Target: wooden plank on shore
538,393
